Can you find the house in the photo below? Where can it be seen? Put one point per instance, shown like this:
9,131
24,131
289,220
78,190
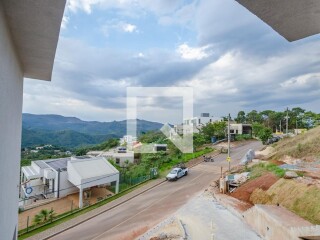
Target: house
29,33
240,128
178,129
121,156
56,178
194,124
127,140
160,147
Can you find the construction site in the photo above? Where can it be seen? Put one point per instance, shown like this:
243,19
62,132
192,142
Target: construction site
270,194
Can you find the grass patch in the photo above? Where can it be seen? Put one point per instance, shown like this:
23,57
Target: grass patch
298,197
259,169
300,146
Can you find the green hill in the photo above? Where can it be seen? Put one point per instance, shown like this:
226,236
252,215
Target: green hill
72,132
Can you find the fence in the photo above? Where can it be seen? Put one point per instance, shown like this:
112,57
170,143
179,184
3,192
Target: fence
68,205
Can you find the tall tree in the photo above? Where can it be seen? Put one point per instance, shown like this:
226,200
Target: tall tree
241,117
254,116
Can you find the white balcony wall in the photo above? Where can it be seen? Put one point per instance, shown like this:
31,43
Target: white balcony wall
11,92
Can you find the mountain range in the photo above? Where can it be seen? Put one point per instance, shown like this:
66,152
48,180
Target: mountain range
73,132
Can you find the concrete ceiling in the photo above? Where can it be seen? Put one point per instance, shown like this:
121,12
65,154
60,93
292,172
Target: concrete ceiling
293,19
35,27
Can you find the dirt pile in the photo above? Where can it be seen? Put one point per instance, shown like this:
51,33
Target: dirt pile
265,154
264,182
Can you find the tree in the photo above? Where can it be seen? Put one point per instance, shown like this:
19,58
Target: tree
253,117
265,134
81,151
217,129
257,128
241,117
43,216
262,132
198,140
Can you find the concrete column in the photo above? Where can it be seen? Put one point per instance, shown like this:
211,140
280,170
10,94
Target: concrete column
117,186
11,94
81,197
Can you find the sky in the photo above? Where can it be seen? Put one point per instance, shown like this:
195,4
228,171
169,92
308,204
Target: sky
230,58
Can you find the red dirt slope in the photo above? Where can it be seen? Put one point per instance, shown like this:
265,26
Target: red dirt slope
264,182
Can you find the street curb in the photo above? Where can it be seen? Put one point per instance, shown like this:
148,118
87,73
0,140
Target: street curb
123,202
106,210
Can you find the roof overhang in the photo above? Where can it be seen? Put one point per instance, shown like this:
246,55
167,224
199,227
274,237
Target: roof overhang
293,19
35,27
30,173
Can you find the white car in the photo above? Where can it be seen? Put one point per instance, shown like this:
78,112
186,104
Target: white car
177,173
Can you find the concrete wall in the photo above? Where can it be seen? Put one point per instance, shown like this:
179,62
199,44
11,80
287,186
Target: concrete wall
66,187
11,93
265,226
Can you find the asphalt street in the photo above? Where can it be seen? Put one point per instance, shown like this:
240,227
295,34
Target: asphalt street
136,216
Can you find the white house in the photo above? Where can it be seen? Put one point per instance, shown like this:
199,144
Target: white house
194,124
56,178
120,157
127,140
29,33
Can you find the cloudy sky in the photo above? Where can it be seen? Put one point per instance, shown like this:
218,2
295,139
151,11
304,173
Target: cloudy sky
231,59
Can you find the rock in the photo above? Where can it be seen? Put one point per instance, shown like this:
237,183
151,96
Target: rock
290,174
162,236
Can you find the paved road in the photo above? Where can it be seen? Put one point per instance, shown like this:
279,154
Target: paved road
133,218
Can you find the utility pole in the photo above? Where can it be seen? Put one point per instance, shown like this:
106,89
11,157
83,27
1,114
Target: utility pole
287,120
229,160
280,125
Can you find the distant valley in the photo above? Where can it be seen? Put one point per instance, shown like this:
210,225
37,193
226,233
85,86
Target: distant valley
73,132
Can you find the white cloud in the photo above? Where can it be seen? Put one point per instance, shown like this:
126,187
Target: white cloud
65,21
118,26
127,27
190,53
310,80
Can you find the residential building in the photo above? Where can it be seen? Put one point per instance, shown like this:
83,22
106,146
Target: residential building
240,128
56,178
178,129
120,156
194,124
160,147
29,33
127,140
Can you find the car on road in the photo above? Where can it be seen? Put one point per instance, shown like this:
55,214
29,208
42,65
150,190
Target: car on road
177,173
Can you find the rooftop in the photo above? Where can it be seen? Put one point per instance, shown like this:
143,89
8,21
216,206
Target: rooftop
93,167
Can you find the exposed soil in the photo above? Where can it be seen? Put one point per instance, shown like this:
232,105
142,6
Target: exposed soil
264,182
276,162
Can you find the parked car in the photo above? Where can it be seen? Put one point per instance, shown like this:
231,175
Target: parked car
177,173
273,140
